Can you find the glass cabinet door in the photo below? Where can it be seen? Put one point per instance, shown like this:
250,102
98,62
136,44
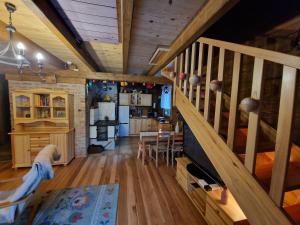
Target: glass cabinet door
23,106
59,107
42,106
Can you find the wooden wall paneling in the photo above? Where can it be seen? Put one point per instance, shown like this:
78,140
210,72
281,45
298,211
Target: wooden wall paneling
208,79
53,21
175,79
157,23
199,73
207,15
254,117
127,13
219,94
32,23
181,68
284,133
234,100
128,77
192,71
186,71
108,55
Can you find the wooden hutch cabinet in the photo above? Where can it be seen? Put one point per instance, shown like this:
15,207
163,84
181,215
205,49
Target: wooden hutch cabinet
42,117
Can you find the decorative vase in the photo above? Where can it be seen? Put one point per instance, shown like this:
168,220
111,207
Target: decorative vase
215,85
182,76
194,80
249,105
224,196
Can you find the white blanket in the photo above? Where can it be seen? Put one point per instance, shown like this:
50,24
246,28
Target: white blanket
41,170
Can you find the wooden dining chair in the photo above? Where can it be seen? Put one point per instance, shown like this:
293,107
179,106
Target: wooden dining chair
162,145
145,144
177,145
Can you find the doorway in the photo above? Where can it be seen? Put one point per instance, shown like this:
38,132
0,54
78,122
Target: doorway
5,147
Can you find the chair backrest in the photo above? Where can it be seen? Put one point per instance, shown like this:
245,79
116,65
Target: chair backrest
163,136
177,139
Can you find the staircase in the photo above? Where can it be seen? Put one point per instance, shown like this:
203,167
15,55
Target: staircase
258,168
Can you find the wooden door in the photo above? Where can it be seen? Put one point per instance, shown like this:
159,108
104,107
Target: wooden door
21,150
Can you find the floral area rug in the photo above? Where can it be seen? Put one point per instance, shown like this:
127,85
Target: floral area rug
92,205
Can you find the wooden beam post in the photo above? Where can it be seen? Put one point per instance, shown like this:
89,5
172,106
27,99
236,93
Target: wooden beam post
192,72
200,66
127,13
234,100
53,21
186,71
254,117
284,134
219,104
208,79
175,79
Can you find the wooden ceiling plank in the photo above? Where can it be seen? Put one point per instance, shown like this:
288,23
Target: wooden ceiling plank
52,62
127,13
209,14
51,19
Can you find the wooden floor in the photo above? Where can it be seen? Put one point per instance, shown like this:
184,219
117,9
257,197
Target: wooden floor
147,195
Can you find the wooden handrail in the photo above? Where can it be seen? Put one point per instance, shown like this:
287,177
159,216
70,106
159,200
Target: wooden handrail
277,57
254,201
210,135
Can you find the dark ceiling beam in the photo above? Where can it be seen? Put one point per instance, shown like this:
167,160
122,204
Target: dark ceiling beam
207,15
126,18
76,46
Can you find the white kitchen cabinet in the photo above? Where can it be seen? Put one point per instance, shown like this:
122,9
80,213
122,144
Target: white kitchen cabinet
145,99
124,98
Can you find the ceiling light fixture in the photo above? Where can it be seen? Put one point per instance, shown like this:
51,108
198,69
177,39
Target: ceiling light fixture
14,54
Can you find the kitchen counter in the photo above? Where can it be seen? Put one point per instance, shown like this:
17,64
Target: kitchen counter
138,124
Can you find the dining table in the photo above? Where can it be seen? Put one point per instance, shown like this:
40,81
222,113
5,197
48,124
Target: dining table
149,138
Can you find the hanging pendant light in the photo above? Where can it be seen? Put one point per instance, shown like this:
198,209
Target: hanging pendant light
13,55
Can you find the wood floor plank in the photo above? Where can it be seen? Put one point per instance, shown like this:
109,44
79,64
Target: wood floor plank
148,195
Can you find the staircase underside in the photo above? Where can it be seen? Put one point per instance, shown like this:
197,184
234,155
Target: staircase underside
251,196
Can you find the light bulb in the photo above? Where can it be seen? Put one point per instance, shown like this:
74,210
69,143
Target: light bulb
19,57
21,46
39,56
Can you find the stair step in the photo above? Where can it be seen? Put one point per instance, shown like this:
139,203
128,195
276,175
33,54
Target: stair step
293,212
263,171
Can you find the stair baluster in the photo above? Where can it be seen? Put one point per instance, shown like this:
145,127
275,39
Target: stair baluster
284,133
254,117
199,73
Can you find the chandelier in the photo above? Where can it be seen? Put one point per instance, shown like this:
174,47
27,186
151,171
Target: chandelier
14,54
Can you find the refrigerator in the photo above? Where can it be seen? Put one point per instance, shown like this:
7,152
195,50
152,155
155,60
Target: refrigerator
123,121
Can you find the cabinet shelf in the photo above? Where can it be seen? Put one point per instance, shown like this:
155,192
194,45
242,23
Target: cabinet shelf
42,117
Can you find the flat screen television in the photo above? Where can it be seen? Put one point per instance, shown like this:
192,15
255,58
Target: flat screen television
193,150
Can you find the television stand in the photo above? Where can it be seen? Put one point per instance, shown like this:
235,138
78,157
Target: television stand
208,202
